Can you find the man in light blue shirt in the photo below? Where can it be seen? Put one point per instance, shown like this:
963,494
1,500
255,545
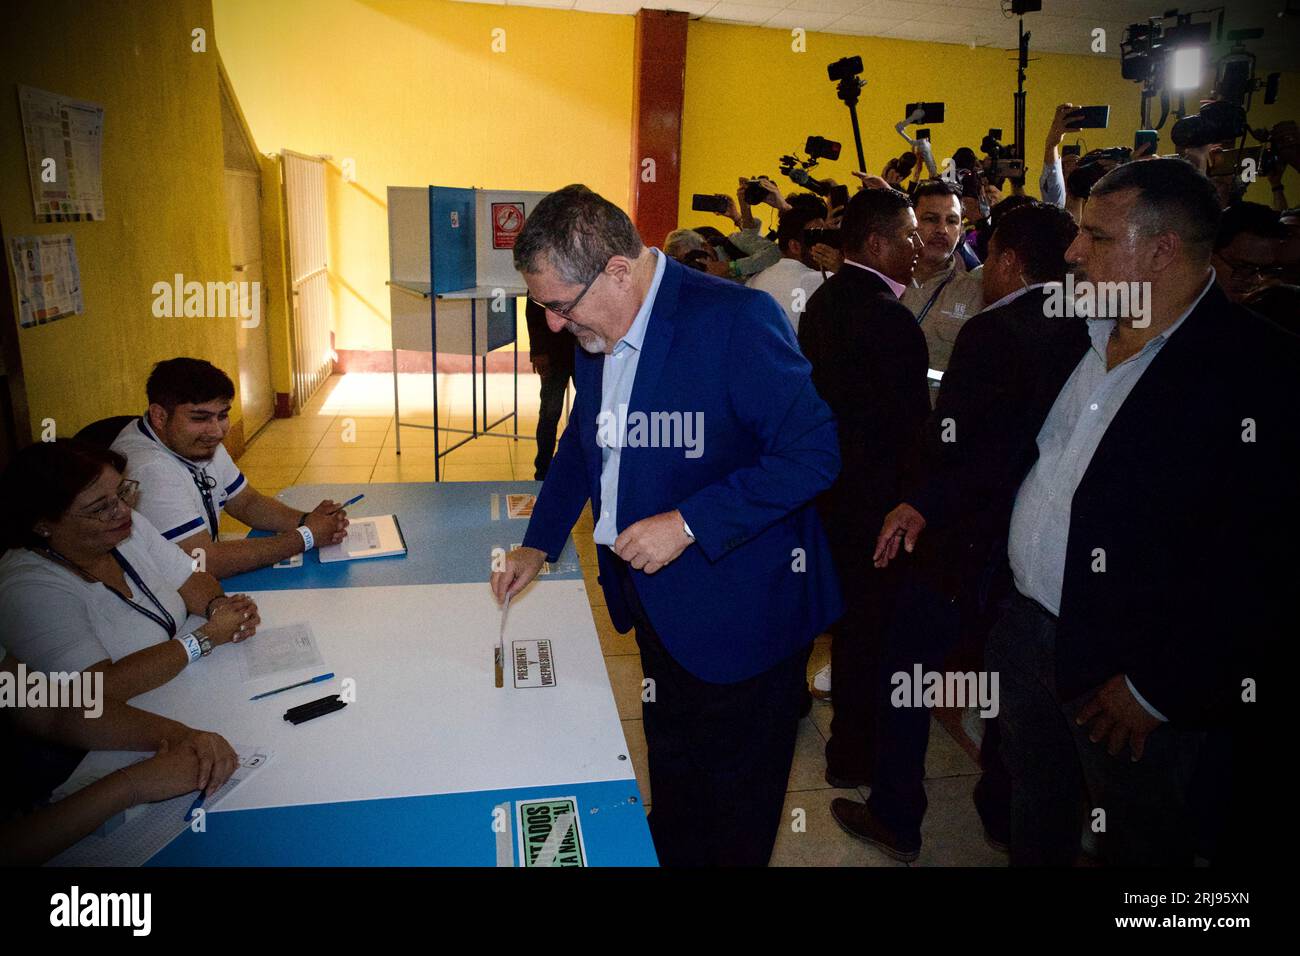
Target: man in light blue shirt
694,404
616,394
1126,639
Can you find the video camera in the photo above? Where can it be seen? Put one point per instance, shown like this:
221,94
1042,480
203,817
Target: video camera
1002,162
827,237
796,169
1092,166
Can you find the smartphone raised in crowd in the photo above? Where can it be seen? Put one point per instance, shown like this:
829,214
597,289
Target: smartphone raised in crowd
705,202
1088,117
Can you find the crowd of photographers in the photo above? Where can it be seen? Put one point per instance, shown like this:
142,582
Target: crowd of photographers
924,305
1257,252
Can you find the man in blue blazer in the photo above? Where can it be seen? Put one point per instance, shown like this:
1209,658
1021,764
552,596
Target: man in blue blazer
700,442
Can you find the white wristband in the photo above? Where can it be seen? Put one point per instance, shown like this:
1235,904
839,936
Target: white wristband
308,542
191,645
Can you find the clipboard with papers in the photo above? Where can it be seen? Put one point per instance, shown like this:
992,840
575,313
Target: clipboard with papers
374,536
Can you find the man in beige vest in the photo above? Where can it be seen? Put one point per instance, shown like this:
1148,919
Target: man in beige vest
943,293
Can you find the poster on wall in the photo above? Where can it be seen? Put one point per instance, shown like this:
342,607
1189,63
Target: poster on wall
64,148
507,221
47,277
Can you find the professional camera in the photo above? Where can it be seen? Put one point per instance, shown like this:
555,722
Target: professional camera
827,237
755,191
991,145
797,171
819,147
1091,168
844,69
1215,122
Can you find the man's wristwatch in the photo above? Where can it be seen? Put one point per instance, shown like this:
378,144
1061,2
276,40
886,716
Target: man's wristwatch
303,520
205,642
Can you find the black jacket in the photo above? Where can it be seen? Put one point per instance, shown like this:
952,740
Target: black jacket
1006,369
1191,494
869,364
557,346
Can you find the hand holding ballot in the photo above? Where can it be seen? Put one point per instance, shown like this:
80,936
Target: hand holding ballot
522,565
328,523
192,764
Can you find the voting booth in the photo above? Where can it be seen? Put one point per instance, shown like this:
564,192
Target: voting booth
453,289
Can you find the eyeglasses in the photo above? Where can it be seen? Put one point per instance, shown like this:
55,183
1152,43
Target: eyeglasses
567,311
1249,270
128,492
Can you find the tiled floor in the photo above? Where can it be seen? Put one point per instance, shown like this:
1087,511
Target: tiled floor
346,434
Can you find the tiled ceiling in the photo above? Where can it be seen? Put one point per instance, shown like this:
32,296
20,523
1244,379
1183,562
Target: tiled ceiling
1062,27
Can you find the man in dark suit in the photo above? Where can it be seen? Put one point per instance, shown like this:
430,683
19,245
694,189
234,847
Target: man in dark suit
869,363
700,442
1009,362
1146,542
552,357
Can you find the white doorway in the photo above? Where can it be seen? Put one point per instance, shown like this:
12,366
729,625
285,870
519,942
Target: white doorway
242,184
243,206
305,215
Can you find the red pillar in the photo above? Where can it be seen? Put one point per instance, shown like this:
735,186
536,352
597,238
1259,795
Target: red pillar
658,88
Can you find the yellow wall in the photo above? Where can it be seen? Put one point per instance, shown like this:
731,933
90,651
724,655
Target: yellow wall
162,176
414,94
751,99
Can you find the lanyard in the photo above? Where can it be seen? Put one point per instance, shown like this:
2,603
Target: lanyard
205,483
202,480
163,618
935,296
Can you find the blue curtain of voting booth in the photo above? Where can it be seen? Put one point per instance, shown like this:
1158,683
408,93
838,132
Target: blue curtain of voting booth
452,237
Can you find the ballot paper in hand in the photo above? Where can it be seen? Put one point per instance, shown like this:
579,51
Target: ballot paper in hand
376,536
278,650
132,837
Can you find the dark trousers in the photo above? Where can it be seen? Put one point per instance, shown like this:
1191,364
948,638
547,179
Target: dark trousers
923,628
856,642
1059,778
719,754
548,419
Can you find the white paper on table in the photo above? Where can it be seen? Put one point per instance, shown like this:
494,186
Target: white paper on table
130,839
375,536
278,650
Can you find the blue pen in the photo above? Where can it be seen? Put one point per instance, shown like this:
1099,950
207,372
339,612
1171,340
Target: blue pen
304,683
198,802
345,504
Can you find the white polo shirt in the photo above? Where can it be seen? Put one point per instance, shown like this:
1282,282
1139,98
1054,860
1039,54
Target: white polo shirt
54,620
781,282
170,493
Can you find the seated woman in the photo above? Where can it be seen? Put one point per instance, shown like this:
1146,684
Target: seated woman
185,760
87,584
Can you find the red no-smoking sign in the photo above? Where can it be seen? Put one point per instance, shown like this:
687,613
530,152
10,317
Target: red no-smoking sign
507,220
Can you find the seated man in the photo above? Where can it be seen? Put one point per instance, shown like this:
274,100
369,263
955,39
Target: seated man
187,477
